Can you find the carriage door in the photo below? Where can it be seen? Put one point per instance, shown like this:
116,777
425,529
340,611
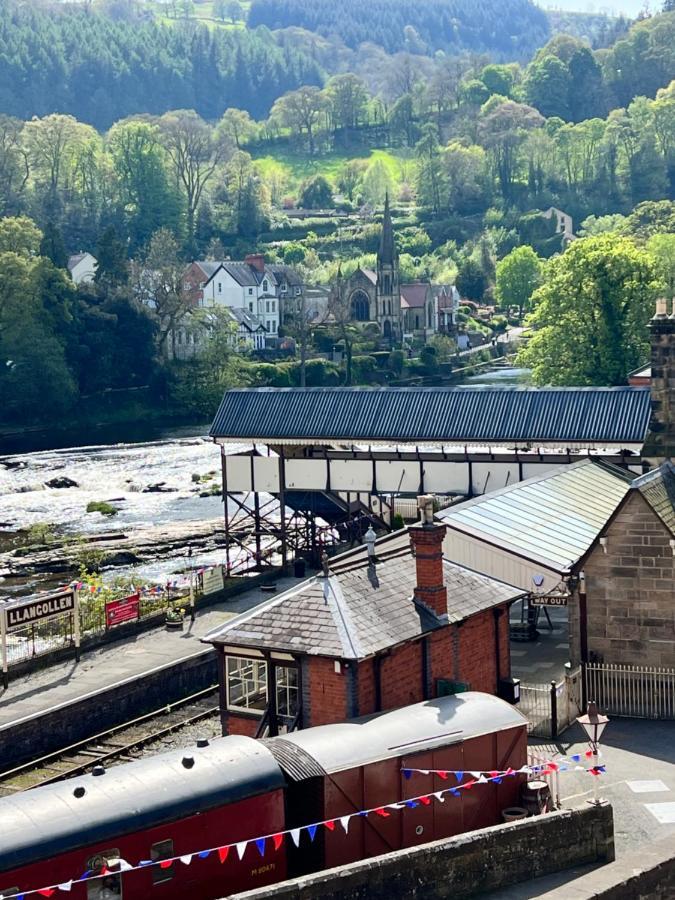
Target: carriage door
418,817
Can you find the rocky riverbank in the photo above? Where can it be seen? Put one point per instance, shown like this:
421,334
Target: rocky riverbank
110,550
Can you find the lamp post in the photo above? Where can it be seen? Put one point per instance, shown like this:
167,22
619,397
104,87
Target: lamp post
594,723
192,586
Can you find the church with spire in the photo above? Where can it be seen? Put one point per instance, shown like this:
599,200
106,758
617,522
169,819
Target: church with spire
378,296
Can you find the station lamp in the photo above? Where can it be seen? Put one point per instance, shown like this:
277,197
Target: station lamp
594,723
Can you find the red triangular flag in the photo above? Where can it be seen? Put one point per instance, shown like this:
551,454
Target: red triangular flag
223,853
553,766
493,774
383,813
330,825
468,785
46,892
166,864
278,840
443,775
588,754
425,800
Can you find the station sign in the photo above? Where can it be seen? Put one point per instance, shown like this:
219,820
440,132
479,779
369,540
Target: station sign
212,580
126,609
549,600
40,609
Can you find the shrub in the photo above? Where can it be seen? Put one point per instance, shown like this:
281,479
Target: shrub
100,506
364,369
396,362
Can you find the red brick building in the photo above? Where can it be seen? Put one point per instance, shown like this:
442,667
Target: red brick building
369,634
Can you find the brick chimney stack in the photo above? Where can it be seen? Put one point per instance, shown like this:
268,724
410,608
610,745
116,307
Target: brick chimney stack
427,544
660,443
257,261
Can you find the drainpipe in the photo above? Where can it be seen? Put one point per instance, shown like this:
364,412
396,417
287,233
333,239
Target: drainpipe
497,614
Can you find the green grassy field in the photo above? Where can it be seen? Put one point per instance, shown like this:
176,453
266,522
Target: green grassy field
170,12
297,166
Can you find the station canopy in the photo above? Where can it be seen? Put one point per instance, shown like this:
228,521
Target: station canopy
581,418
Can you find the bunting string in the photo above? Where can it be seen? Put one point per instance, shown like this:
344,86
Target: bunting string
275,840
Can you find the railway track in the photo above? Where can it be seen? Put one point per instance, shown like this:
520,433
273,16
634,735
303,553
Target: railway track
122,743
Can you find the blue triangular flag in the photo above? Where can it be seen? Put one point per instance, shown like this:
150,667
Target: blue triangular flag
459,775
454,792
576,757
204,854
407,773
498,780
312,831
145,862
260,844
411,803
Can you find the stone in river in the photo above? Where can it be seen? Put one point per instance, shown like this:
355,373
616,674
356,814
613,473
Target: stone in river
159,488
61,482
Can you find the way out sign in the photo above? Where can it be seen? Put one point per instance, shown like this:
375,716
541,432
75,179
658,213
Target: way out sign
548,600
127,609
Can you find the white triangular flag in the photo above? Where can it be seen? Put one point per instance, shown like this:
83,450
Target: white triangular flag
439,796
344,821
295,834
66,886
122,863
482,779
186,860
475,774
241,848
423,771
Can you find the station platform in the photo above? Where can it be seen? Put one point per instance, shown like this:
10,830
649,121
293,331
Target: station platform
108,675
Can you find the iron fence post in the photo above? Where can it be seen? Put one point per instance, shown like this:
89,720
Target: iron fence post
554,710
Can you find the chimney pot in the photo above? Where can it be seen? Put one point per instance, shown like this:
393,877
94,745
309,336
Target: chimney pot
661,308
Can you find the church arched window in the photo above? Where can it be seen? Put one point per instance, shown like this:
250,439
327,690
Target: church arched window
360,306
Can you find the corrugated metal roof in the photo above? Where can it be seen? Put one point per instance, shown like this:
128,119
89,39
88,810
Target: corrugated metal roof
658,489
552,519
398,732
588,417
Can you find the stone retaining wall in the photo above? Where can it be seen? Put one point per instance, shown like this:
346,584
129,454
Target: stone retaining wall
464,866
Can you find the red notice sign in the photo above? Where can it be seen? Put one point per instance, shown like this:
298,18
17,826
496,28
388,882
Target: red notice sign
124,610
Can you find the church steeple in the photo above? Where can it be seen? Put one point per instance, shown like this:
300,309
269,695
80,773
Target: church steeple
386,255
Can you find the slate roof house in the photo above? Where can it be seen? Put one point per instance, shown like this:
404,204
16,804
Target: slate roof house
369,634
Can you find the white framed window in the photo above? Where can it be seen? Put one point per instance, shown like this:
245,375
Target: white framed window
287,691
246,684
250,307
274,306
220,287
267,306
298,291
264,285
250,291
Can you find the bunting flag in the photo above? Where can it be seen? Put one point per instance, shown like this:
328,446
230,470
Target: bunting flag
276,839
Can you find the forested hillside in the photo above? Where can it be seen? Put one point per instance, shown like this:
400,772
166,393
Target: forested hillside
511,28
100,70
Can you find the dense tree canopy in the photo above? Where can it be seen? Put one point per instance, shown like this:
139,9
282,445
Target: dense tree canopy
85,63
428,25
591,313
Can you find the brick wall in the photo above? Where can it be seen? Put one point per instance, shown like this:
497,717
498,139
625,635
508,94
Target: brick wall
478,862
401,676
630,590
245,725
477,664
324,692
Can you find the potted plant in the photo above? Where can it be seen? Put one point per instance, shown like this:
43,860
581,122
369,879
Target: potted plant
174,619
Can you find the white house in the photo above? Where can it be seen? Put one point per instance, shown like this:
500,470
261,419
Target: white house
564,224
253,286
82,267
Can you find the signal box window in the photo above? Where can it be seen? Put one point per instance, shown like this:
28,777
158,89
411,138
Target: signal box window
109,886
162,850
246,681
287,691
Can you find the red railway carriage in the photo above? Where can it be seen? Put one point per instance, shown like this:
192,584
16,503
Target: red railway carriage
236,789
174,804
335,770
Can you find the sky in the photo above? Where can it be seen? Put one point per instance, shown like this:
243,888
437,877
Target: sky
629,8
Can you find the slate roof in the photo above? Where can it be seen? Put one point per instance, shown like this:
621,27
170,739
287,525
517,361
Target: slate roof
243,317
75,259
484,415
658,489
370,275
285,273
552,519
359,609
243,273
208,266
413,296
